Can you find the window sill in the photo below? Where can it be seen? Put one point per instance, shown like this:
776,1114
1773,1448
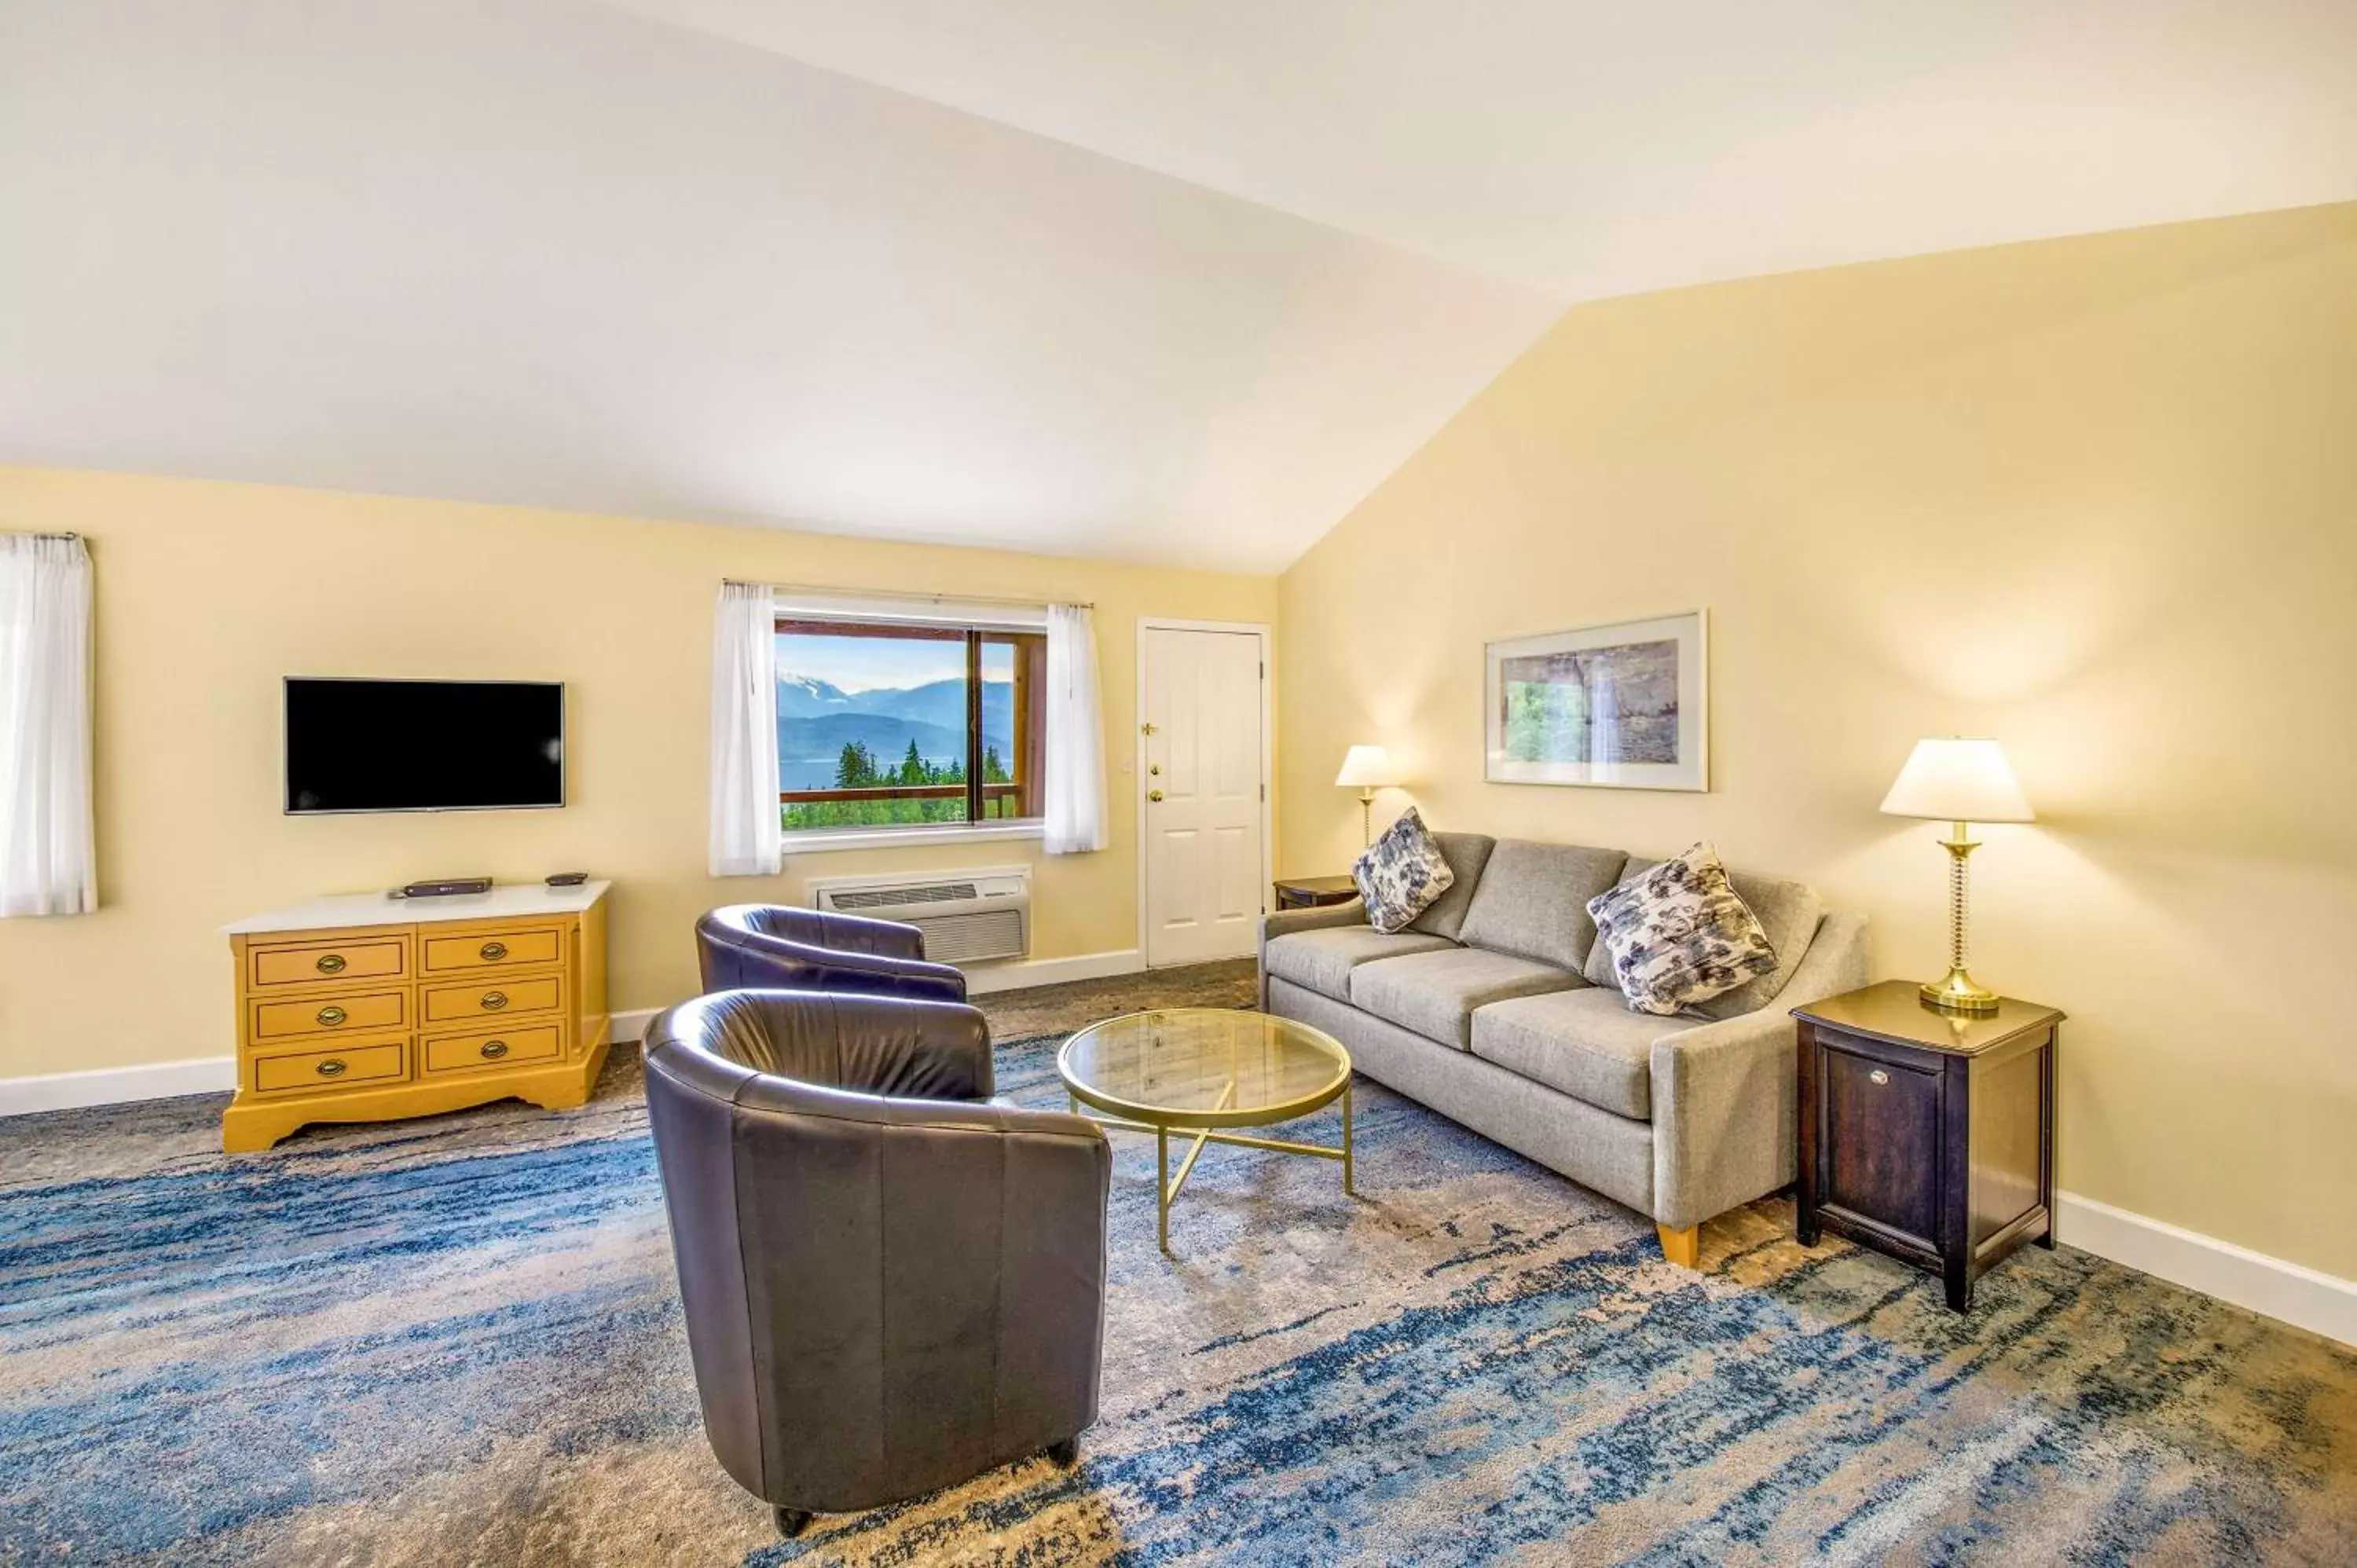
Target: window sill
815,841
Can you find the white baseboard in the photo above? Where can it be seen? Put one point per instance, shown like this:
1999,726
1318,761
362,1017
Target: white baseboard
117,1085
982,978
2304,1297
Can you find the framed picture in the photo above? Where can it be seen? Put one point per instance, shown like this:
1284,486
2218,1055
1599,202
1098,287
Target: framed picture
1625,706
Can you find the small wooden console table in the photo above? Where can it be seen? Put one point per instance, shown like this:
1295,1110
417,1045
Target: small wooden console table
1925,1135
365,1008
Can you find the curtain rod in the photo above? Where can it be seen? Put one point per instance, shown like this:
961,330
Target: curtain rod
40,535
840,591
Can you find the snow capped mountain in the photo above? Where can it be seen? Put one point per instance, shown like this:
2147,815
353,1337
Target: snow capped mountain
803,696
817,718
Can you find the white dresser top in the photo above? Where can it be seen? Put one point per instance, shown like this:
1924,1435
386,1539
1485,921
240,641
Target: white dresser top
515,901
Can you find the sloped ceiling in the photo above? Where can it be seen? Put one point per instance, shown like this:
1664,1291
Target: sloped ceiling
1177,283
1592,147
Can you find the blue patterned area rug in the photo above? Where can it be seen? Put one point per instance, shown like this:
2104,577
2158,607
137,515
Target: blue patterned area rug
458,1341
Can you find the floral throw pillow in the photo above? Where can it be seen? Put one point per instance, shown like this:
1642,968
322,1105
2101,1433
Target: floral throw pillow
1680,934
1402,875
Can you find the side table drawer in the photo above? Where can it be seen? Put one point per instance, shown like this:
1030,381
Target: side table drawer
1880,1143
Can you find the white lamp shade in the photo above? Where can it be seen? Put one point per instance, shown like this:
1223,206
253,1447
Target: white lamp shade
1959,781
1367,767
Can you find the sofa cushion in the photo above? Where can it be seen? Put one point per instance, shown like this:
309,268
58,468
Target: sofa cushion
1787,911
1466,853
1681,934
1402,874
1533,901
1587,1042
1435,993
1322,960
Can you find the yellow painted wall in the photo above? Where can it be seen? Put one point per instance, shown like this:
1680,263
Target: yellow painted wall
209,592
2095,497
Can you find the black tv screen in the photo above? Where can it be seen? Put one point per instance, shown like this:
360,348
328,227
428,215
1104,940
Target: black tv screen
424,746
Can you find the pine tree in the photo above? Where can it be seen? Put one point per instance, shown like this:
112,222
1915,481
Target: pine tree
855,769
993,770
912,765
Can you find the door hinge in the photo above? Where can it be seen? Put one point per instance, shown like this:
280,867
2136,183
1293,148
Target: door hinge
1263,793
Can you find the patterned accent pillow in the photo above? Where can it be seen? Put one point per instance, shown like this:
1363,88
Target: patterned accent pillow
1680,934
1402,875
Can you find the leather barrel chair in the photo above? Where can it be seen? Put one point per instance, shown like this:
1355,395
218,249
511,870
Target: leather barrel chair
815,950
893,1284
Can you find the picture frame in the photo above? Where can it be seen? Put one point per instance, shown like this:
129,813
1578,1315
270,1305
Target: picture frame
1623,706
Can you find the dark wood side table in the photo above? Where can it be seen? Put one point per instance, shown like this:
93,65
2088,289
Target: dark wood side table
1927,1135
1314,892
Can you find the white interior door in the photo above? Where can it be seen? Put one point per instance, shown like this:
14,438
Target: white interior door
1202,793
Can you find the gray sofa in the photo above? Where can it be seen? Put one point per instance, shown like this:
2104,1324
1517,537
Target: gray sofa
1496,1008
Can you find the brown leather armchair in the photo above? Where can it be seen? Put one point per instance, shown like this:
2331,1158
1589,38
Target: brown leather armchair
817,950
892,1283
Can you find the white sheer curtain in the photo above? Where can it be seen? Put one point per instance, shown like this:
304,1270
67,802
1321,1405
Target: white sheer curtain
745,828
49,863
1075,806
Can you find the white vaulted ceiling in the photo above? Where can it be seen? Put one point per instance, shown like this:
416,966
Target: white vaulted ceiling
1592,147
1170,283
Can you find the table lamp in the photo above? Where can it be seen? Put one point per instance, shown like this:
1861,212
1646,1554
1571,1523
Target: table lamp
1959,781
1370,769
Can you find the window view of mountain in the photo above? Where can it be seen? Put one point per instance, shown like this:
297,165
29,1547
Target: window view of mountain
817,719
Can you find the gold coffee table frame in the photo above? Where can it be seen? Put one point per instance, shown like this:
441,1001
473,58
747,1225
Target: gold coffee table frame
1303,1052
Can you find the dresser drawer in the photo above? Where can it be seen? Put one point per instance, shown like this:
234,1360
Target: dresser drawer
361,1064
493,998
493,950
316,962
494,1048
356,1011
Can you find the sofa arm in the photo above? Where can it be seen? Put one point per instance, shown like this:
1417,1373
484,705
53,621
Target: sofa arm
1725,1100
1283,922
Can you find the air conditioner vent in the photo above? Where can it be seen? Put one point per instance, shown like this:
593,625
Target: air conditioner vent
967,916
881,897
996,933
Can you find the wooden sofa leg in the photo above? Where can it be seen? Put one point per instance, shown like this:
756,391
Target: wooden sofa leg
1682,1245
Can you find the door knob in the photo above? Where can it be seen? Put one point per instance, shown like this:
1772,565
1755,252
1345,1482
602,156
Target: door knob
1153,794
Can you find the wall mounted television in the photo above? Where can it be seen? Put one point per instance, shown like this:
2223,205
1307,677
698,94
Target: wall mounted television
424,746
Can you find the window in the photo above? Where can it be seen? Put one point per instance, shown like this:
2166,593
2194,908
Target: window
883,724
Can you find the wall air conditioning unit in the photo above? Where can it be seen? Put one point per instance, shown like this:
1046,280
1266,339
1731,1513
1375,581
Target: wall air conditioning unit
966,916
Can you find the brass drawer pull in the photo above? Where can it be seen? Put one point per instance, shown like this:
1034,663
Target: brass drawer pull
494,1000
331,963
1877,1076
495,1049
494,952
332,1068
330,1016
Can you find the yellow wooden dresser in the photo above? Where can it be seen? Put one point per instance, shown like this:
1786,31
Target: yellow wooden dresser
362,1008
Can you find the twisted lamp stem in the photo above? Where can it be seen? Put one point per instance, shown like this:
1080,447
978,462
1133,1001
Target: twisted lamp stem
1960,907
1960,993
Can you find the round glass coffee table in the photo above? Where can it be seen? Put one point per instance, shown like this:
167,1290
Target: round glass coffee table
1204,1071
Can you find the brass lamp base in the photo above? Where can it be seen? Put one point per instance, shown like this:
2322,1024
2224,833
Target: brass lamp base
1960,993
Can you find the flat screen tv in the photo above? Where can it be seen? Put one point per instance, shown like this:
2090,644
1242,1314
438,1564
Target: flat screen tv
424,746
